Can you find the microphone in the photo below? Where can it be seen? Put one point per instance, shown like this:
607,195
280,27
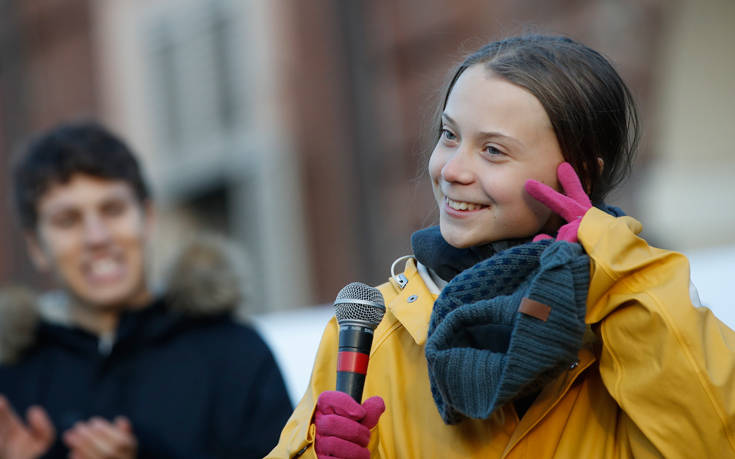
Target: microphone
359,309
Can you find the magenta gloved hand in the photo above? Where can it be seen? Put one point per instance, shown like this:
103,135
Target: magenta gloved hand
571,206
343,425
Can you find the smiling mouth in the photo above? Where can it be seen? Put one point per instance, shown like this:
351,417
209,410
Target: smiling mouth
463,206
104,270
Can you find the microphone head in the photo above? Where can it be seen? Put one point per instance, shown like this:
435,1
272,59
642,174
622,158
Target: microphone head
359,304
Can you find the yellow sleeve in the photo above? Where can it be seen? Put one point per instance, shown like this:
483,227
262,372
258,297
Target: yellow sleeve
297,437
669,365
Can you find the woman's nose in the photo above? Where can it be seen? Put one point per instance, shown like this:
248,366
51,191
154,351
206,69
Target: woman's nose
458,169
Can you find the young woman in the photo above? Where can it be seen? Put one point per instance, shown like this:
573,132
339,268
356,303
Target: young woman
533,322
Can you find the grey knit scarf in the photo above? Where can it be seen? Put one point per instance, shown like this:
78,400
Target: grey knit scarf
506,326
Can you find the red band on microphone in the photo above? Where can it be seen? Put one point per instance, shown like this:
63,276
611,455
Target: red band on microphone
354,362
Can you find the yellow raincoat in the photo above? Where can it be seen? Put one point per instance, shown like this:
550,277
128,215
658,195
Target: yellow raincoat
657,380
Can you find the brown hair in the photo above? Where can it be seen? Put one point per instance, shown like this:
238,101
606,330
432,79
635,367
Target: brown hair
591,109
54,156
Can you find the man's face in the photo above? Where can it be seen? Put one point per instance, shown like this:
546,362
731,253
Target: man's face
91,235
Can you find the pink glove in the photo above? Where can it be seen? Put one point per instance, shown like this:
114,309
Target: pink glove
571,207
343,426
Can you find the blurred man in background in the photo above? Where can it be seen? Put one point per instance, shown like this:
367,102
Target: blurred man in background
108,368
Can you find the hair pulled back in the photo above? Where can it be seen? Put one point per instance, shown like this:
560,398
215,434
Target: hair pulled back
590,108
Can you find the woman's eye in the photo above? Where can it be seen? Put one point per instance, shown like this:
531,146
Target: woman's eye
447,134
492,151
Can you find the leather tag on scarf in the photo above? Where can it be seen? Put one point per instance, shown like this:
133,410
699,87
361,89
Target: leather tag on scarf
535,309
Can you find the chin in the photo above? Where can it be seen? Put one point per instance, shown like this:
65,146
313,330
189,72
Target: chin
463,238
110,298
459,239
103,302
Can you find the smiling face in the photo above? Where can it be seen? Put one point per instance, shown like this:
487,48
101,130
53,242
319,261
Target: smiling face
91,235
495,136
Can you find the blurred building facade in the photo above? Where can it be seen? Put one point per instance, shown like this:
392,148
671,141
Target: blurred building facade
296,127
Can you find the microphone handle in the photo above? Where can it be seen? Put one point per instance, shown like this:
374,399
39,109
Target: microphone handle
352,361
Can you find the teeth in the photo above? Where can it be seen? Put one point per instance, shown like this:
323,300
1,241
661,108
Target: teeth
104,267
459,205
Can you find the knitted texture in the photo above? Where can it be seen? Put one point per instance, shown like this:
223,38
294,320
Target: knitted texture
482,352
430,249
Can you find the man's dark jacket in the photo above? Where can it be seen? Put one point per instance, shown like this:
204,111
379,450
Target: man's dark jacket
194,384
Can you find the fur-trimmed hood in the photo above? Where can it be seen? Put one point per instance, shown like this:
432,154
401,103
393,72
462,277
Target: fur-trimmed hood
205,279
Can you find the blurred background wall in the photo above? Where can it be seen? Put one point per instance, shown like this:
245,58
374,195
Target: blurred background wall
295,127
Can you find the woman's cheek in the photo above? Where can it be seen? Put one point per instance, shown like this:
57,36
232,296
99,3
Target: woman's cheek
435,166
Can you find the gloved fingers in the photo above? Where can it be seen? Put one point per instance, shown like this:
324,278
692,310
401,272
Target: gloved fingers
335,402
571,184
337,447
541,237
374,407
569,231
332,425
557,202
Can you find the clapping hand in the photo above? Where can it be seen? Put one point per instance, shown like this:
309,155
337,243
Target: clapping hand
29,440
101,439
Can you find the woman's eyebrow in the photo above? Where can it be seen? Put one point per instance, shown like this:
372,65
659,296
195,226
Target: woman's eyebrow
486,135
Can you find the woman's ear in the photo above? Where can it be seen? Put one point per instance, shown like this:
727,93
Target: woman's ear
589,176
